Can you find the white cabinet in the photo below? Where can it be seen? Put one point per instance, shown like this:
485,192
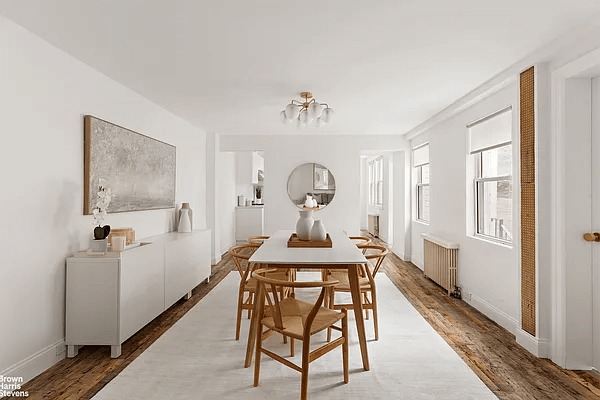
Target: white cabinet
249,221
110,298
247,165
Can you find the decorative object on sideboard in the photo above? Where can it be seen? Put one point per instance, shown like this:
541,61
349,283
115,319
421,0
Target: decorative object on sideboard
118,242
241,200
304,224
140,169
258,193
306,111
99,243
128,232
185,218
318,232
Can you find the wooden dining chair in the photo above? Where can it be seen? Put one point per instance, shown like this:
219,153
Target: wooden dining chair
375,255
299,320
260,240
240,254
360,241
257,239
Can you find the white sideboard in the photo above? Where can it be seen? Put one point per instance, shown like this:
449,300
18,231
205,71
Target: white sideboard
110,298
249,221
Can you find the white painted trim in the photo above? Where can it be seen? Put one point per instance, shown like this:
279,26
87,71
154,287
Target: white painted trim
418,262
37,363
538,347
558,168
401,256
492,312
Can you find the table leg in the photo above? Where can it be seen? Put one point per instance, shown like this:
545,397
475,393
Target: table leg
253,327
358,313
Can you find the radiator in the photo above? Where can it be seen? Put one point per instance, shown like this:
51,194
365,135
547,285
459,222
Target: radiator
373,226
441,261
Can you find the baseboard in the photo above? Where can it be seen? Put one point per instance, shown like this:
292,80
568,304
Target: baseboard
401,256
538,347
418,262
37,363
492,312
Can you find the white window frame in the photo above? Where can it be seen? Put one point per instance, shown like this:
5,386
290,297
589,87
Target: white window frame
376,182
420,185
479,182
379,181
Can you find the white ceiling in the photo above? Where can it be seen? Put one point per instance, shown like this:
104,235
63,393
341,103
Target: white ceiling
232,66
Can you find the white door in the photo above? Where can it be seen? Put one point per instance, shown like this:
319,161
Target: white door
596,220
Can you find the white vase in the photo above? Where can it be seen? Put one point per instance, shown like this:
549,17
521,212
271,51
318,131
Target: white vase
314,203
185,218
318,232
304,224
308,203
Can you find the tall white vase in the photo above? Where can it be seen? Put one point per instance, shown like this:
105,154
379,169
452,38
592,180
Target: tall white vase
304,224
185,218
318,232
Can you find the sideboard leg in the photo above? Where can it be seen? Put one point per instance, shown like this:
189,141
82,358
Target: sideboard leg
115,351
207,280
188,295
72,351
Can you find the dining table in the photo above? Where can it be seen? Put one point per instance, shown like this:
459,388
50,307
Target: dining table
342,255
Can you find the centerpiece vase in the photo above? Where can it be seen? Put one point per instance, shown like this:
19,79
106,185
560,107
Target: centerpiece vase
304,224
318,232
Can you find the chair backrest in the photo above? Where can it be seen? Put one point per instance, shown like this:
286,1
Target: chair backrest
375,255
361,242
241,253
270,288
257,239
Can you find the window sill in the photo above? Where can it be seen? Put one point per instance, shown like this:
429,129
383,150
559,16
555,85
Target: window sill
491,240
420,221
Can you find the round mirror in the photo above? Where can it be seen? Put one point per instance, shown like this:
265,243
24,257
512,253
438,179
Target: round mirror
311,186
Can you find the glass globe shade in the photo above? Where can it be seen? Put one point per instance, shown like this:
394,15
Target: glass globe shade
292,111
327,115
284,119
315,110
320,122
305,118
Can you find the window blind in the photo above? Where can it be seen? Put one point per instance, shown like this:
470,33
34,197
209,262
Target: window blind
490,132
421,155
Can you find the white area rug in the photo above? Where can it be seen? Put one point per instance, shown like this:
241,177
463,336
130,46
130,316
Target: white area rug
199,358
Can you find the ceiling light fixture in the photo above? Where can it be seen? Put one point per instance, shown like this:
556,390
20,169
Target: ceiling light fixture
307,111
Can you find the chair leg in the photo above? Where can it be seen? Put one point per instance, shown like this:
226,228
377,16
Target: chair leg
374,306
239,315
292,347
251,301
330,304
305,363
366,301
258,353
345,344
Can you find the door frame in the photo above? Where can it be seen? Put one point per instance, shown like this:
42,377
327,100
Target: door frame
564,344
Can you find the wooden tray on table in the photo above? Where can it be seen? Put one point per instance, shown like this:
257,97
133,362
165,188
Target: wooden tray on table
293,241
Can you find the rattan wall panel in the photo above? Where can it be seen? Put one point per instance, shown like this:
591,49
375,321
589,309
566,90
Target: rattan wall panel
527,150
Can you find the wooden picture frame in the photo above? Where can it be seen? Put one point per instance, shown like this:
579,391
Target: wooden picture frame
139,170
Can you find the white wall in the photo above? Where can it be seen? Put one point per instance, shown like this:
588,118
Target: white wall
227,200
340,154
401,204
44,94
488,272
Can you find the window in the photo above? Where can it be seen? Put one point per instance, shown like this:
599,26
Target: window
376,182
490,141
421,164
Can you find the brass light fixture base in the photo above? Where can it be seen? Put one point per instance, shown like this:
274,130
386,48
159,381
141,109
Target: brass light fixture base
306,95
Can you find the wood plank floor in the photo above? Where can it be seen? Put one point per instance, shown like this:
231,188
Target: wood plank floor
491,352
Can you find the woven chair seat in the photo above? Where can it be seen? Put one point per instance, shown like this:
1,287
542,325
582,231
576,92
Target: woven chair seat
294,313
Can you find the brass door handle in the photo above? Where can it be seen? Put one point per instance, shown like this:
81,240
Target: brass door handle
592,237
